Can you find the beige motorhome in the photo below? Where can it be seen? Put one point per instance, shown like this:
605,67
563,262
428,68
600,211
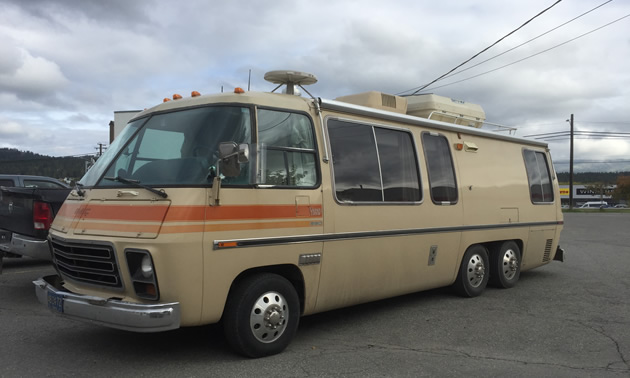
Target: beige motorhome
254,209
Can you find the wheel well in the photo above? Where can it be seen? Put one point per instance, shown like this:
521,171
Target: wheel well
493,245
291,272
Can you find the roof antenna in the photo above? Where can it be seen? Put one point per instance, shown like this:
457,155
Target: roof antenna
249,81
291,79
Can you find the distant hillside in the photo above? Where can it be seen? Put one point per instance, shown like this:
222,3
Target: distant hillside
17,162
13,161
591,177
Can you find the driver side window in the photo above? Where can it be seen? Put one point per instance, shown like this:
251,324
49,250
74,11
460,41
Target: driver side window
287,144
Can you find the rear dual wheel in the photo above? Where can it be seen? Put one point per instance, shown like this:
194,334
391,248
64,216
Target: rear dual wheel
505,265
472,278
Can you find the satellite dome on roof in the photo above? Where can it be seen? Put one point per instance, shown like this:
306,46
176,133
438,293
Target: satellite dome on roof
290,79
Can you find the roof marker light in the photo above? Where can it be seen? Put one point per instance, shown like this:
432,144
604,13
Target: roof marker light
238,90
195,94
177,96
166,99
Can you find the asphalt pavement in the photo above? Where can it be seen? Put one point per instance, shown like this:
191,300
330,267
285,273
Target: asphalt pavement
566,319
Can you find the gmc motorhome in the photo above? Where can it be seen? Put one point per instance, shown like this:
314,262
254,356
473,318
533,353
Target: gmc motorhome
254,209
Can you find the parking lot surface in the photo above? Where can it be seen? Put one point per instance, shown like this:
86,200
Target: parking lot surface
568,319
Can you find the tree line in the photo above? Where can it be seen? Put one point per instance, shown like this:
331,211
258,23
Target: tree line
18,162
584,178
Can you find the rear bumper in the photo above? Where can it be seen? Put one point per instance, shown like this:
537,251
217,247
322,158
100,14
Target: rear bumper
136,317
26,246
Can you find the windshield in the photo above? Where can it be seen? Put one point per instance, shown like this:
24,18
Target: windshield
96,171
176,148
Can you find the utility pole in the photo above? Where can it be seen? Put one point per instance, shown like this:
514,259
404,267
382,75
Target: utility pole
571,167
100,149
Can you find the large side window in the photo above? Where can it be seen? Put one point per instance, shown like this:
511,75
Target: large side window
539,176
373,164
287,143
440,166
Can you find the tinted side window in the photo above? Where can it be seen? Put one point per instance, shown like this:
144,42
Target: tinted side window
440,166
287,143
355,162
7,183
399,166
539,176
373,164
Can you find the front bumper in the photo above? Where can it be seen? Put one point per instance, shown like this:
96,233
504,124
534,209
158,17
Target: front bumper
136,317
27,246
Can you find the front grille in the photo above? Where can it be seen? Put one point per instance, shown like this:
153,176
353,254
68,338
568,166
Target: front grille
89,263
547,255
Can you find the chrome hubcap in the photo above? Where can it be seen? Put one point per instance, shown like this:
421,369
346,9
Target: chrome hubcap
269,317
510,264
476,270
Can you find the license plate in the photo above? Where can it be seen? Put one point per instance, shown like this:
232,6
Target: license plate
55,302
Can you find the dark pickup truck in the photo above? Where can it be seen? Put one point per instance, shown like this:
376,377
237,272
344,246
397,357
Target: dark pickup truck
28,205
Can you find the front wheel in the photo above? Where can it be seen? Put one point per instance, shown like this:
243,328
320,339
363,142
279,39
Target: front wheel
505,265
472,278
261,315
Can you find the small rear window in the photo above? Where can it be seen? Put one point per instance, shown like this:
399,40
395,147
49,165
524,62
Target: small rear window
539,176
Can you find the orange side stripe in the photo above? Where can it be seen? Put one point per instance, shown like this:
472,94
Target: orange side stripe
133,228
258,212
139,213
185,214
255,226
155,213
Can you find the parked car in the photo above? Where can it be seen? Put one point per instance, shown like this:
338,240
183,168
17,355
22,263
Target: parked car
595,205
28,205
621,206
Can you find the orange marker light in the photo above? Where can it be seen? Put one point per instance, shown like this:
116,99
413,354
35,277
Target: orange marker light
238,90
459,146
176,96
166,99
195,94
227,244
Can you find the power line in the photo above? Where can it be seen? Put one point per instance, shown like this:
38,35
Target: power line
528,57
607,122
592,161
580,133
524,43
487,48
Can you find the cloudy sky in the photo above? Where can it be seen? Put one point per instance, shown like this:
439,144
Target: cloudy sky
67,65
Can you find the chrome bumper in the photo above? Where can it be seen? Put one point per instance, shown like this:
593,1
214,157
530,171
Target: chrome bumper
136,317
27,246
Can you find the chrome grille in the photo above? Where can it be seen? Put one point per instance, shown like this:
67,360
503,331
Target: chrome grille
89,263
547,255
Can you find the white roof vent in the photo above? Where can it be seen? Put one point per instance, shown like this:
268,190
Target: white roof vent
291,79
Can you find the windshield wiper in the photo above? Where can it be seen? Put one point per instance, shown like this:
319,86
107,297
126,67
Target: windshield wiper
137,183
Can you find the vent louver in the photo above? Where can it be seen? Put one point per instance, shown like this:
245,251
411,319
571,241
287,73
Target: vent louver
547,255
388,100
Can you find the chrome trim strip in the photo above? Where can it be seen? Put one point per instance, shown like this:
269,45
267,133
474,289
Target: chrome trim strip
418,121
257,242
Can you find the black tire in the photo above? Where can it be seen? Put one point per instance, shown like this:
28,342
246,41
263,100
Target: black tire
261,315
505,265
472,278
